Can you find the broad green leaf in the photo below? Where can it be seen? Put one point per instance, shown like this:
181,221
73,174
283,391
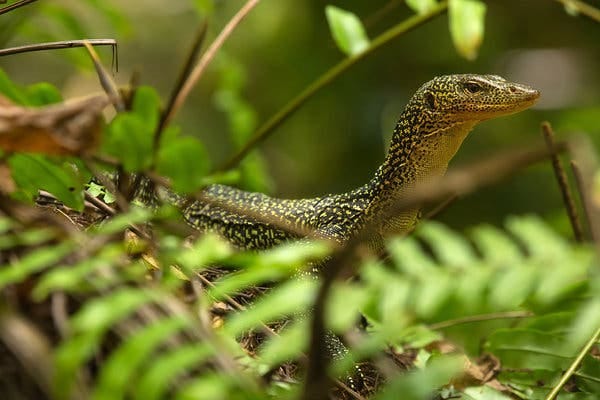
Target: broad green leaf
34,172
157,375
484,393
33,262
467,19
185,161
207,386
526,348
128,138
146,105
421,6
347,31
288,298
41,94
127,360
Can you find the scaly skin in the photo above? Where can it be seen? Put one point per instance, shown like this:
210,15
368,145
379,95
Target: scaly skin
429,132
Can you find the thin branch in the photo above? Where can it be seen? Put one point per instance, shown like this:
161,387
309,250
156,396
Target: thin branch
440,208
480,318
65,44
276,120
16,5
183,76
565,378
198,70
580,188
583,8
563,184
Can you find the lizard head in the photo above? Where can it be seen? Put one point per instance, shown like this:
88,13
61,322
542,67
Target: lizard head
455,99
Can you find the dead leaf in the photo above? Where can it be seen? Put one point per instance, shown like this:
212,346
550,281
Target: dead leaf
68,128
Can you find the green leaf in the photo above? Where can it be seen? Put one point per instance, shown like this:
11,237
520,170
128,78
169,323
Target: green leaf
287,345
467,19
527,348
71,277
33,262
421,6
539,240
129,139
450,248
495,246
421,384
185,161
409,257
126,362
289,298
34,172
146,105
41,94
11,90
136,215
342,315
207,249
101,313
483,393
347,31
157,375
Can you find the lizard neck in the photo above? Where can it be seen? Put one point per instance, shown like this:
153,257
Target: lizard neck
417,154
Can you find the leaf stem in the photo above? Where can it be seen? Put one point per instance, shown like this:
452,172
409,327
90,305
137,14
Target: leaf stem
563,380
329,76
480,318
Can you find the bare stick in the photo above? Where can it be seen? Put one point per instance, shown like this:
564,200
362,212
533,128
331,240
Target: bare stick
15,6
564,379
198,70
64,44
276,120
583,8
563,184
580,188
184,74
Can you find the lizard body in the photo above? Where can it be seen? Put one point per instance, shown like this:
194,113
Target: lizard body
428,134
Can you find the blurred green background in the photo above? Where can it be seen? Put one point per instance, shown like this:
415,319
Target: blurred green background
337,140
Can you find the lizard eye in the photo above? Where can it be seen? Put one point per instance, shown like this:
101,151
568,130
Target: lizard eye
473,87
431,101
